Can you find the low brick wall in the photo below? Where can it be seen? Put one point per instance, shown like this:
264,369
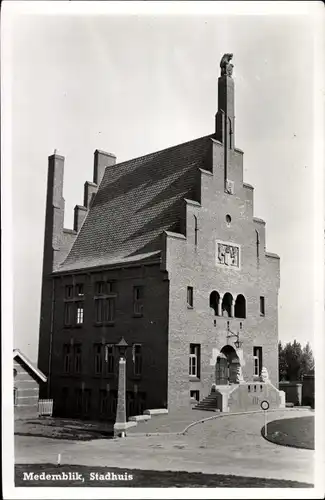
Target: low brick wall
248,396
28,411
293,392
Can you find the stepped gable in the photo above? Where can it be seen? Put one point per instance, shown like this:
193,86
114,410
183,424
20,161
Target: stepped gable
137,200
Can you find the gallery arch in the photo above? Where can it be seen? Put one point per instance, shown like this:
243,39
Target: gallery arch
240,307
214,302
227,303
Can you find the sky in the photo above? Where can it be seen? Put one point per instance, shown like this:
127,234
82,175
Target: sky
131,85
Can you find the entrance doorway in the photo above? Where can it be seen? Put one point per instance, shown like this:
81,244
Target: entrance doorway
227,365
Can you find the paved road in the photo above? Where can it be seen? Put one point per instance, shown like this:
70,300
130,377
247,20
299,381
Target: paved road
226,445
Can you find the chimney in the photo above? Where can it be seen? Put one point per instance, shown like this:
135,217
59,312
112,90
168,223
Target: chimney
54,215
101,161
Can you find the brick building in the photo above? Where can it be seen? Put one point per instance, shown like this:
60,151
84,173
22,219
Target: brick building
166,252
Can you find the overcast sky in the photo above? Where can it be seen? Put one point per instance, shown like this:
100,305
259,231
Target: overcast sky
133,85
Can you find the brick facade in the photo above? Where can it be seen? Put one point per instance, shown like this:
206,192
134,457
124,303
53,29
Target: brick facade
194,265
26,387
155,222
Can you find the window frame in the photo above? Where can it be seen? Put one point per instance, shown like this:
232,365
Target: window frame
98,356
74,306
110,361
67,358
104,302
79,313
258,353
194,361
79,290
77,358
138,302
256,359
137,360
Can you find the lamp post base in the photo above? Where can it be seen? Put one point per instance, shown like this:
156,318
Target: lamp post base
120,429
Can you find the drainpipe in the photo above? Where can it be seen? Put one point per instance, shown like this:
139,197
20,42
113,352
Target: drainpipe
51,342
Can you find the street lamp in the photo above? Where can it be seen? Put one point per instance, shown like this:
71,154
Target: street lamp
238,343
121,424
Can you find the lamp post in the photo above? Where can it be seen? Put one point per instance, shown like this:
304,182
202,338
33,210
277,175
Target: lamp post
120,425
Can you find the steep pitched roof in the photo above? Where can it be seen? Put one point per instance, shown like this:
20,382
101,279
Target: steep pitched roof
18,354
136,201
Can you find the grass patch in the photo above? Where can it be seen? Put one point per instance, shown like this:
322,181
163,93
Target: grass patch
80,475
58,428
296,432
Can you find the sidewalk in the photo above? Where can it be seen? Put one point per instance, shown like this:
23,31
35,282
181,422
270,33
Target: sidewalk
174,422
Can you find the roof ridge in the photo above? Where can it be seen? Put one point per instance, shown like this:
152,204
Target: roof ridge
209,136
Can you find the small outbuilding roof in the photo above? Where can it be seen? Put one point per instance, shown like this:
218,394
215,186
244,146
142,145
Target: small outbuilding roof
18,354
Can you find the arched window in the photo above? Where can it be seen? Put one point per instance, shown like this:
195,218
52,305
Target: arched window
240,307
226,304
214,302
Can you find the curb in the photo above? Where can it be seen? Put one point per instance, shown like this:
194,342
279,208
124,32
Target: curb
220,415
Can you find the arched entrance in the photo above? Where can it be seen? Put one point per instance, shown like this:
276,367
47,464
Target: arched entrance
227,365
221,370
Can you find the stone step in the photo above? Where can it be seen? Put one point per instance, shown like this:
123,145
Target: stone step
204,408
208,403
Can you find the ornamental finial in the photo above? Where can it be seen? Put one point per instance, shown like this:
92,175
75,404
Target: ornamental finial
225,65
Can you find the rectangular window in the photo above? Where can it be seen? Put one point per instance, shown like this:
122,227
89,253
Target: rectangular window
138,294
68,291
109,309
109,359
99,310
80,312
80,290
137,359
258,360
262,306
194,361
190,296
68,308
104,288
77,358
67,358
15,396
100,288
98,359
195,395
256,366
105,310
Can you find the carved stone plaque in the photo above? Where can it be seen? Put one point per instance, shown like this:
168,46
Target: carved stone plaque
228,254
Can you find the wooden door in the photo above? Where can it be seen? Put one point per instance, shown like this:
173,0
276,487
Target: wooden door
221,371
